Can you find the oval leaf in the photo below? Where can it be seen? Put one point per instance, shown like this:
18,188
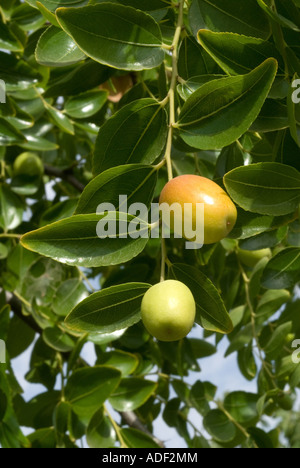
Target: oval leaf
135,134
111,309
283,270
132,393
265,188
55,48
135,181
210,309
75,241
221,111
115,35
87,389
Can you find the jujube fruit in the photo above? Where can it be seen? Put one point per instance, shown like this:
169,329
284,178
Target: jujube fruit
29,164
220,213
168,310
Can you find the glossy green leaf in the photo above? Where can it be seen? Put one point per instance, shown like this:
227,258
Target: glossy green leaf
219,426
270,302
193,60
75,241
237,54
85,105
242,407
132,393
135,181
68,295
220,111
27,18
9,135
109,310
52,5
58,340
60,119
274,346
115,35
277,17
56,49
283,270
265,188
125,362
11,208
134,438
187,88
237,16
210,309
100,432
8,40
87,389
135,134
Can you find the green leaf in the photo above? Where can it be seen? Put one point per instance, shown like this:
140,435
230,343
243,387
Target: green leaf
136,181
100,432
135,134
277,17
265,188
237,16
220,111
198,398
52,5
283,270
9,135
219,426
88,388
270,302
58,340
56,49
237,54
75,241
115,35
68,295
8,40
27,18
242,407
60,120
274,346
11,209
193,60
125,362
210,309
134,438
86,104
132,393
110,309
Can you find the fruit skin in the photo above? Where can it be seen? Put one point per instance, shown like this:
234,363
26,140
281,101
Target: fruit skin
220,213
29,164
251,257
168,310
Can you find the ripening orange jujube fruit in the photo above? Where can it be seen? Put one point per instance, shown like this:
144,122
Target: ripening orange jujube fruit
220,213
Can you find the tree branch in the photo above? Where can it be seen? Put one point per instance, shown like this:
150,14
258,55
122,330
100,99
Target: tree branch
66,175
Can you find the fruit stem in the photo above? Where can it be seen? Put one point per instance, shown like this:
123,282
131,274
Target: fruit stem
163,259
171,94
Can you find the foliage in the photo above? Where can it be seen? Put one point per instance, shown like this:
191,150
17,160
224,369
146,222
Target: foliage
105,93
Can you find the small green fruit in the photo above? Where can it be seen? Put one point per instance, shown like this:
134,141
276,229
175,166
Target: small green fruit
28,164
168,310
251,257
